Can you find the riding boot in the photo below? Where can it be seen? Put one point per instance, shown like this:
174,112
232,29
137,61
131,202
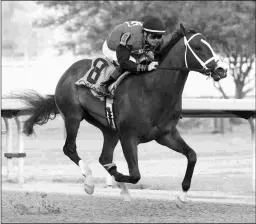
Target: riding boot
103,87
105,84
117,72
108,82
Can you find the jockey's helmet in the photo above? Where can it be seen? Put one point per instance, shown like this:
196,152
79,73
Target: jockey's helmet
154,30
154,25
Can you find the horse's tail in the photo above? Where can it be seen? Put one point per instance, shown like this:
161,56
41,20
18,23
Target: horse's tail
41,108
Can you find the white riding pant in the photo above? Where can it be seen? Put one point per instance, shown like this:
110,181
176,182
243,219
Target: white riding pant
111,55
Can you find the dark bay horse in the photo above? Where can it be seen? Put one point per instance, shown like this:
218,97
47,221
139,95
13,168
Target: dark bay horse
147,107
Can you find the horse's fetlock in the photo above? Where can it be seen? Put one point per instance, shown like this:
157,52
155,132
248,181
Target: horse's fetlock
65,150
68,149
185,185
101,160
135,179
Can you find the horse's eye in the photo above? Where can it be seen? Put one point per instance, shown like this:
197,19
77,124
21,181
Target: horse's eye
198,48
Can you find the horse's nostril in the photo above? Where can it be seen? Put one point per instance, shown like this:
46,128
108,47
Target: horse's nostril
220,69
221,72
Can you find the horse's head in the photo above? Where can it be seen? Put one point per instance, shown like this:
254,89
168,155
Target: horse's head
200,55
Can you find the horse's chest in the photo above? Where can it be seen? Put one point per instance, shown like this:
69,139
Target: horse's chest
154,133
150,135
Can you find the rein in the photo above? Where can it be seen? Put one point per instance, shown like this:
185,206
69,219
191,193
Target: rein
184,69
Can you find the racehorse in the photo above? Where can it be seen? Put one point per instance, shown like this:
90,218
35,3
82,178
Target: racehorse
147,107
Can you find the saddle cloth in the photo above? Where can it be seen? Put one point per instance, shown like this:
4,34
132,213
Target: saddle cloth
100,70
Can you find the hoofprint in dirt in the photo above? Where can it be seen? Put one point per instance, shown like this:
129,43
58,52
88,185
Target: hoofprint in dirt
75,206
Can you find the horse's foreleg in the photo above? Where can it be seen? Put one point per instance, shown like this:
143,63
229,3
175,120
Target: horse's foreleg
130,150
129,146
69,149
110,142
174,141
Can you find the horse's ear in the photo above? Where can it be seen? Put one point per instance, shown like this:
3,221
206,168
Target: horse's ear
182,29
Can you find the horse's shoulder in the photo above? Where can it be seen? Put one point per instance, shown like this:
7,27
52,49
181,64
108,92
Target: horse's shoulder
130,85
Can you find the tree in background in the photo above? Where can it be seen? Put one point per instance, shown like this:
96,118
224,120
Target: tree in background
9,29
19,38
86,23
89,23
228,25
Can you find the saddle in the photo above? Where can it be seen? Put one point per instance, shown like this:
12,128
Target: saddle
101,69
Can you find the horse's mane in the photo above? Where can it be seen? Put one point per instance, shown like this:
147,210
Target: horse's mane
172,41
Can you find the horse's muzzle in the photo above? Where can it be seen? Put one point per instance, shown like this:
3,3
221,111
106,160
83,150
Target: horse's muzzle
220,71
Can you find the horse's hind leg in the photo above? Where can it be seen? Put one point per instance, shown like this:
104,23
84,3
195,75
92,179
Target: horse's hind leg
72,124
174,141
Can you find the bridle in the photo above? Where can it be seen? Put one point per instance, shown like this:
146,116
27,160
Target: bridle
205,69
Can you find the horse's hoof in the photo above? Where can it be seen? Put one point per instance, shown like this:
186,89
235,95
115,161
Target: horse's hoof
126,197
120,185
89,189
88,183
124,191
179,203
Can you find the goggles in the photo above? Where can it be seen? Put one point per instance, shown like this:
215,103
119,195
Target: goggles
155,36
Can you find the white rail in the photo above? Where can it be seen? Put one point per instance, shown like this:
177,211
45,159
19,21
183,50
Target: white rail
245,108
10,154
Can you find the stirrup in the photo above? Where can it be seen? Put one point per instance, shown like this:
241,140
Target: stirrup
104,92
106,95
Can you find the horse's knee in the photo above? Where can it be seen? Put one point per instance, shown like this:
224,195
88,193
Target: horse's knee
134,178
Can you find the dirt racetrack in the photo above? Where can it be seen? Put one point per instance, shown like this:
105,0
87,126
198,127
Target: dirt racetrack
72,205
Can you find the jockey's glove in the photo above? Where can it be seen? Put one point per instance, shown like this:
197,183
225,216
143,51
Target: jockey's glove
152,66
145,68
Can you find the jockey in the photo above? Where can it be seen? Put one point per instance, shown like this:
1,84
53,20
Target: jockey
133,47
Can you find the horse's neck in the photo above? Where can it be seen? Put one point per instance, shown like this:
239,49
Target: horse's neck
166,87
169,83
